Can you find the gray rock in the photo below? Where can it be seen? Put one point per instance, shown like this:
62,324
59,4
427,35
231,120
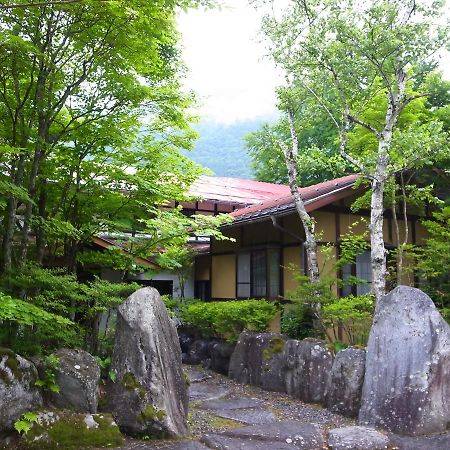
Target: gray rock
220,357
307,369
221,442
250,416
149,397
200,351
346,381
165,445
18,393
406,386
203,392
435,442
357,438
235,403
258,360
305,436
78,378
197,376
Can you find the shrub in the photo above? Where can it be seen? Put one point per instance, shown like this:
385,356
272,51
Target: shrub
297,322
227,319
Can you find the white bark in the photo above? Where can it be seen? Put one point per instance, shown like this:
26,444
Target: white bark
290,154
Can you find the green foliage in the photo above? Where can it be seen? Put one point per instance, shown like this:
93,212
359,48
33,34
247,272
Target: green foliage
24,424
227,319
48,382
297,321
49,299
432,261
28,328
318,159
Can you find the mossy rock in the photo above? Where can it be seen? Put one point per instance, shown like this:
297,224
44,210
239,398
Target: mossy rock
12,364
275,347
130,383
71,431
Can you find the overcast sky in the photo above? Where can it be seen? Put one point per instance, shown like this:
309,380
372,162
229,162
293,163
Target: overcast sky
227,68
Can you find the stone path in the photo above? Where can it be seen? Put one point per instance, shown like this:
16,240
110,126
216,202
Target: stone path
225,415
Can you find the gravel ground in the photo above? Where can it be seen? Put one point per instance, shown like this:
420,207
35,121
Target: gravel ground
283,406
204,421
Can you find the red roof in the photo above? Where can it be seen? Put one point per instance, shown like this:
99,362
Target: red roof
314,197
236,190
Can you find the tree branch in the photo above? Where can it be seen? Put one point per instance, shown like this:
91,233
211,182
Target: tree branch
43,4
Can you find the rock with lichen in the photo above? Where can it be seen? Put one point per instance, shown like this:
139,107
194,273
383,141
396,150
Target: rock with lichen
258,360
346,381
77,375
18,393
149,396
407,384
307,369
54,429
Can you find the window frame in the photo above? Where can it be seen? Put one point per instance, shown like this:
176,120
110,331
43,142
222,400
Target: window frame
251,252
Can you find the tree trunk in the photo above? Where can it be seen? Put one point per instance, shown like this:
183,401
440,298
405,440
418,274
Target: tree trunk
290,154
377,250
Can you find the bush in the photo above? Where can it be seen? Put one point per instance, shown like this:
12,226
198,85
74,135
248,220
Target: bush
27,328
227,319
298,322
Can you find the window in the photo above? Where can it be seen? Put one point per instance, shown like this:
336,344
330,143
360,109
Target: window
258,273
362,269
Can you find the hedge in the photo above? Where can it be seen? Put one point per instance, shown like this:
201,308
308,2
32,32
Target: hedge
226,319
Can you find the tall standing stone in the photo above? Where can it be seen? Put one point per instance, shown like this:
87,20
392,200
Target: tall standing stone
149,396
407,384
346,381
307,369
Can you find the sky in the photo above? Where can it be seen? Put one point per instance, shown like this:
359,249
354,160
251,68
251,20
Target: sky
227,68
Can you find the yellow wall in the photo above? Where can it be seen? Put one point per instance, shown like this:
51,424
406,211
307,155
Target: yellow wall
223,276
291,255
325,226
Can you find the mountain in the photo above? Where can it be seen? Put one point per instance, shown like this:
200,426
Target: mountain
221,148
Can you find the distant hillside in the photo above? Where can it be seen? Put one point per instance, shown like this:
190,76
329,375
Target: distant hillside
221,148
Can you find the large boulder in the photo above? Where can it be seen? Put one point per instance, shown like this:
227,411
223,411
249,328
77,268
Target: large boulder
307,369
357,438
220,357
78,376
18,393
199,352
346,381
407,385
258,360
149,397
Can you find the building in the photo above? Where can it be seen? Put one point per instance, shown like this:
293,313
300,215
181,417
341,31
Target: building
269,242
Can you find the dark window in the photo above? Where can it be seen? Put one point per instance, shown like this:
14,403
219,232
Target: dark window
258,273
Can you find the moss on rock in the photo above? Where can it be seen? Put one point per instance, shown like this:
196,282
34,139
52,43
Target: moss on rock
130,383
70,431
276,346
10,362
150,413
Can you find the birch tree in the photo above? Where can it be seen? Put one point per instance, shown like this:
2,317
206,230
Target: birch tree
344,54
